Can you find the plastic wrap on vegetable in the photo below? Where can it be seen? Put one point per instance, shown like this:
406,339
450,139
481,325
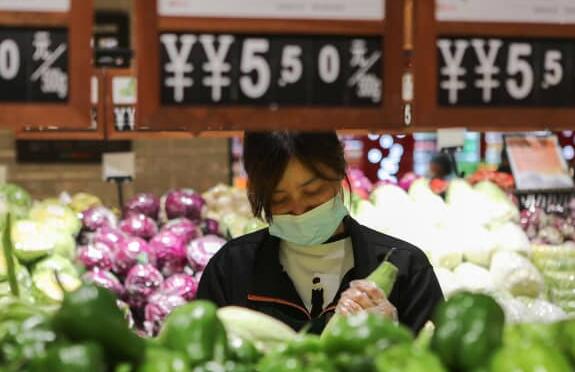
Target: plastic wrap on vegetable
18,200
183,203
108,236
30,240
144,203
97,217
160,304
181,284
201,250
512,272
95,255
129,251
473,278
56,215
104,279
139,225
142,280
170,251
82,201
183,228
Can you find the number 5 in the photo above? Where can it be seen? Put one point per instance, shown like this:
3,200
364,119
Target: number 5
252,61
517,65
553,69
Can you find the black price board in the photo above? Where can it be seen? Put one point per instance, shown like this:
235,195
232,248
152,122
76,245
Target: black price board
34,65
505,72
226,69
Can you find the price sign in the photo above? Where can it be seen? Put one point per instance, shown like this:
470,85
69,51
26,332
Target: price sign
224,69
33,65
45,64
476,71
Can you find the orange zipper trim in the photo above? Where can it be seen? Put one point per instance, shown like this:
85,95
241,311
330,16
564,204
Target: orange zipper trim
327,309
279,301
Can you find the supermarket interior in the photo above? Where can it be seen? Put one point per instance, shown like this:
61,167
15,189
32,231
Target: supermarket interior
287,185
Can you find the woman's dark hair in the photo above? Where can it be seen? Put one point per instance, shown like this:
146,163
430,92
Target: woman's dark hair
266,156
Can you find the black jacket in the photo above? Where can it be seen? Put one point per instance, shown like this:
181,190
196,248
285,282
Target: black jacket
247,272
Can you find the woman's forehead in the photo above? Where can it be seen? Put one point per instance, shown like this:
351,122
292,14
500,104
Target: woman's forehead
297,175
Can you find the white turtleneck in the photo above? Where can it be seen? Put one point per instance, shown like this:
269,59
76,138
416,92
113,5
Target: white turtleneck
327,262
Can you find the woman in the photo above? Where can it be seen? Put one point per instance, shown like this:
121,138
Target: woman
312,259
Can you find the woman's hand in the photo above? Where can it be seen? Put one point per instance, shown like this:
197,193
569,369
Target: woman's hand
365,295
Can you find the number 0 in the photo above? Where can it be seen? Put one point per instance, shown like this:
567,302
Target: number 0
328,64
9,59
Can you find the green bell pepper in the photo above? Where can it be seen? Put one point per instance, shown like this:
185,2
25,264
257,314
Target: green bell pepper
354,362
24,340
91,314
195,330
469,328
406,357
72,358
526,357
242,351
162,360
303,353
567,337
541,333
357,332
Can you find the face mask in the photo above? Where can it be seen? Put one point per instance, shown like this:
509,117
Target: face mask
313,227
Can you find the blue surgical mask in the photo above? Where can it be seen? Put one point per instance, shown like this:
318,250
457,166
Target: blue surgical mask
313,227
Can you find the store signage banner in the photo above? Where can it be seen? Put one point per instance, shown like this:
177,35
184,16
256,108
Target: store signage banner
284,9
537,163
35,5
496,72
199,69
33,65
512,11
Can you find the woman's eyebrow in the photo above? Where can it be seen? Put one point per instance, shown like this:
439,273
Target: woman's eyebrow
309,182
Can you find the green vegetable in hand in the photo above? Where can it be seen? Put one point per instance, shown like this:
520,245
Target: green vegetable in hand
406,357
384,278
91,314
469,328
195,330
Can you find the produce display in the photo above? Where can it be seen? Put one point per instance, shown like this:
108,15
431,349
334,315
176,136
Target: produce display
473,236
43,236
151,259
230,206
90,332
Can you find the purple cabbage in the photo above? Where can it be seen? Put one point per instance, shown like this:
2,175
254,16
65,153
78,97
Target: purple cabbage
160,304
210,227
183,228
170,250
95,255
108,236
142,280
143,203
97,217
201,250
184,203
139,225
129,252
104,279
181,284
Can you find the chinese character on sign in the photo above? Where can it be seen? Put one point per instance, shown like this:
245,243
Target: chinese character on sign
53,79
368,84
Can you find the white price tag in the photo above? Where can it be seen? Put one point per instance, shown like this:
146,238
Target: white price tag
35,5
94,90
281,9
450,137
118,164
